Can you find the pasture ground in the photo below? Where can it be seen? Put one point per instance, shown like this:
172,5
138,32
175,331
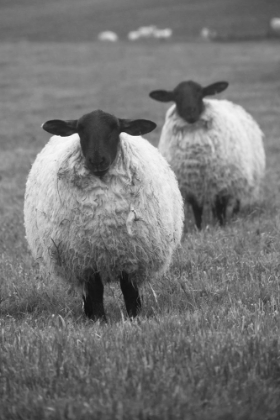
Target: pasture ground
207,344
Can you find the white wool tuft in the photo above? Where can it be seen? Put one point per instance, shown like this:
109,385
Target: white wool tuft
131,220
222,152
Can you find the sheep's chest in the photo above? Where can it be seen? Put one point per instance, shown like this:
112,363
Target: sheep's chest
191,155
96,226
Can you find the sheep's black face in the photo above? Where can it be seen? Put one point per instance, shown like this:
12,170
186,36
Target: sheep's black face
99,136
188,97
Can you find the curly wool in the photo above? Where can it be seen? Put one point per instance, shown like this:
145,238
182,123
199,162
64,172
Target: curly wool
131,220
221,153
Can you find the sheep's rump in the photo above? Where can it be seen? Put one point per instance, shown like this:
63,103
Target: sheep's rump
222,153
131,220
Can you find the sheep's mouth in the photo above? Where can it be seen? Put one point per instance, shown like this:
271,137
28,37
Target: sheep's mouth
100,174
191,119
98,171
187,119
198,122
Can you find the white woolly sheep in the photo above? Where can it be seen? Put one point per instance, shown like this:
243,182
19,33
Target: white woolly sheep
142,32
163,33
133,35
108,36
102,205
149,32
275,25
214,147
208,34
146,31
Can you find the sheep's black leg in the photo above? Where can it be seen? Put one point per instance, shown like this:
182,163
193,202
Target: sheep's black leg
93,296
220,208
236,208
197,211
131,296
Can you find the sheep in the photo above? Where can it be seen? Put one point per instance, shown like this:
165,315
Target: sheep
133,35
146,31
163,33
102,204
149,32
208,34
275,25
142,32
108,36
214,147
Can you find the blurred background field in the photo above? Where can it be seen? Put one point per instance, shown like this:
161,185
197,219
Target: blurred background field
207,343
76,21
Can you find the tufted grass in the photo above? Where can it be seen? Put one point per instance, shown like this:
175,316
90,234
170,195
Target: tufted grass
206,345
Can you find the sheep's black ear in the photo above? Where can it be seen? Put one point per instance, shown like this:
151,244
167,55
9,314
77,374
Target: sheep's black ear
162,95
60,127
214,88
136,127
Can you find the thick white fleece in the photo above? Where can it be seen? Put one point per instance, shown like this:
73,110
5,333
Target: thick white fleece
131,220
222,153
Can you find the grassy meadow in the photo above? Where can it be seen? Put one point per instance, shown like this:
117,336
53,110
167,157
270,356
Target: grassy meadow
207,343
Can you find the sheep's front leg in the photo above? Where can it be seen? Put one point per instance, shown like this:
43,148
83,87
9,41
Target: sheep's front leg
131,295
197,211
220,208
93,296
236,208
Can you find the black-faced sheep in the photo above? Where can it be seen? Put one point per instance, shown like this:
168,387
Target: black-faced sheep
214,147
102,205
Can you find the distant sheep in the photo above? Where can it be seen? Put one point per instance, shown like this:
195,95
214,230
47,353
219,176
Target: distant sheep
146,31
208,34
133,35
275,25
214,147
102,205
163,33
108,36
149,32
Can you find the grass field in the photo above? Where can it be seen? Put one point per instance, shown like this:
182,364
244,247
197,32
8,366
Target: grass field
206,345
